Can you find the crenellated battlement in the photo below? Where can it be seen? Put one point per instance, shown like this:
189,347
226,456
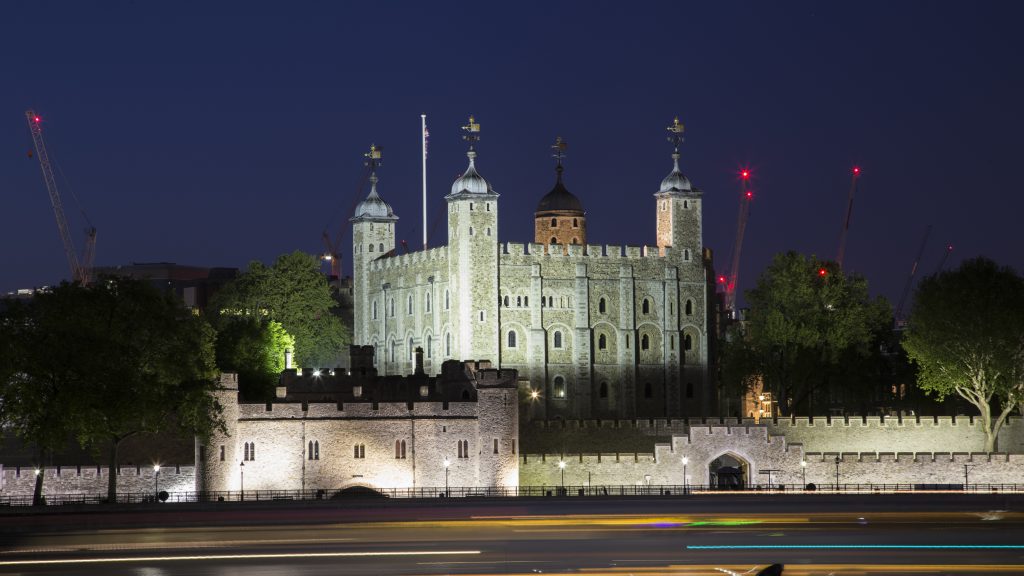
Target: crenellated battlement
588,251
398,261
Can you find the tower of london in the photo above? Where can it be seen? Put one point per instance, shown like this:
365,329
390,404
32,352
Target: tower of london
594,330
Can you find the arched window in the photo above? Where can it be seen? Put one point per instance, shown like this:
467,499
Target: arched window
393,350
410,348
645,342
448,344
511,338
686,255
687,342
526,301
559,387
374,309
551,301
647,389
371,248
602,306
463,446
557,339
602,342
381,246
506,301
646,306
399,449
409,305
519,301
554,240
426,301
246,456
554,224
446,301
314,450
575,223
686,204
488,230
252,451
574,241
689,308
430,346
603,391
309,452
391,307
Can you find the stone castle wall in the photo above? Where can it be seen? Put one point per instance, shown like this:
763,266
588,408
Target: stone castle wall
92,480
757,449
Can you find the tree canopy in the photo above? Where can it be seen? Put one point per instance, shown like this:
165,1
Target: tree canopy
966,334
294,293
807,320
104,362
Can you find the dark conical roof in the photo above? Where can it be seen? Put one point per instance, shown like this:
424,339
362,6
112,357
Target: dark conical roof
559,198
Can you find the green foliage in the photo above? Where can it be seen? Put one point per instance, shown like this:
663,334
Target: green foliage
294,293
966,334
256,351
107,361
807,321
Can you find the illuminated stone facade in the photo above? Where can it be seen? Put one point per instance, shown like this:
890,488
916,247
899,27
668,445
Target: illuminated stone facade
596,331
336,431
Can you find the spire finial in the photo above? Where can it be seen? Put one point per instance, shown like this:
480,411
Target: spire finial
472,134
559,147
373,157
676,138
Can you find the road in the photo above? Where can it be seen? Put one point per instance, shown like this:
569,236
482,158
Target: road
680,535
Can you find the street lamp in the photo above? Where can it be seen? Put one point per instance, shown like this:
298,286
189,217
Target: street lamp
837,473
967,469
803,469
156,481
561,466
685,462
447,463
241,468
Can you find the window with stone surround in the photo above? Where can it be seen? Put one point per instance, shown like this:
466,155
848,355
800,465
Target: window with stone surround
359,451
645,342
314,450
554,224
463,446
409,305
687,342
505,301
602,306
430,346
447,303
689,308
602,342
556,339
374,309
559,387
400,449
426,300
511,338
645,307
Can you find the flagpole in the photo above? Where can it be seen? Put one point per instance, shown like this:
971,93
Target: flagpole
423,141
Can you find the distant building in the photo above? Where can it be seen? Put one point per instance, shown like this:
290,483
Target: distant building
193,284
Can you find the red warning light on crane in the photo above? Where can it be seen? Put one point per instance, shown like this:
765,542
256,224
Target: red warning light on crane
745,174
721,279
856,170
822,272
37,119
749,194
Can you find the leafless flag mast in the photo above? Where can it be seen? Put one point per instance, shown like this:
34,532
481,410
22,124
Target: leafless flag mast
424,136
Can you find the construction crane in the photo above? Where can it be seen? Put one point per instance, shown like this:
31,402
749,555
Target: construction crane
913,273
332,255
732,280
945,256
849,213
81,269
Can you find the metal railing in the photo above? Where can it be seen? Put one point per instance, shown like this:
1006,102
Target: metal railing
509,492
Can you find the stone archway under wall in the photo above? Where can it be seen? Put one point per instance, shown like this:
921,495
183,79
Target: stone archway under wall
729,471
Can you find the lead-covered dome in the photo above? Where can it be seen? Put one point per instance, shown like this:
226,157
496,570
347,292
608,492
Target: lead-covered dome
559,198
373,206
676,181
471,182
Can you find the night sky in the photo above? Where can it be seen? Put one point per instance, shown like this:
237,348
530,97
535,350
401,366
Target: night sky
213,134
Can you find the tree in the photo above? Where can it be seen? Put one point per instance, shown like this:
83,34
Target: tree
805,317
109,361
255,350
966,334
294,293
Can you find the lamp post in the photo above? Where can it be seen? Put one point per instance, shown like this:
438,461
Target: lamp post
561,466
447,463
241,468
803,470
837,473
156,481
967,469
685,462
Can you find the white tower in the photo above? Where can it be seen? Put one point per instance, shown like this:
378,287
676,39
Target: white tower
373,235
473,260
